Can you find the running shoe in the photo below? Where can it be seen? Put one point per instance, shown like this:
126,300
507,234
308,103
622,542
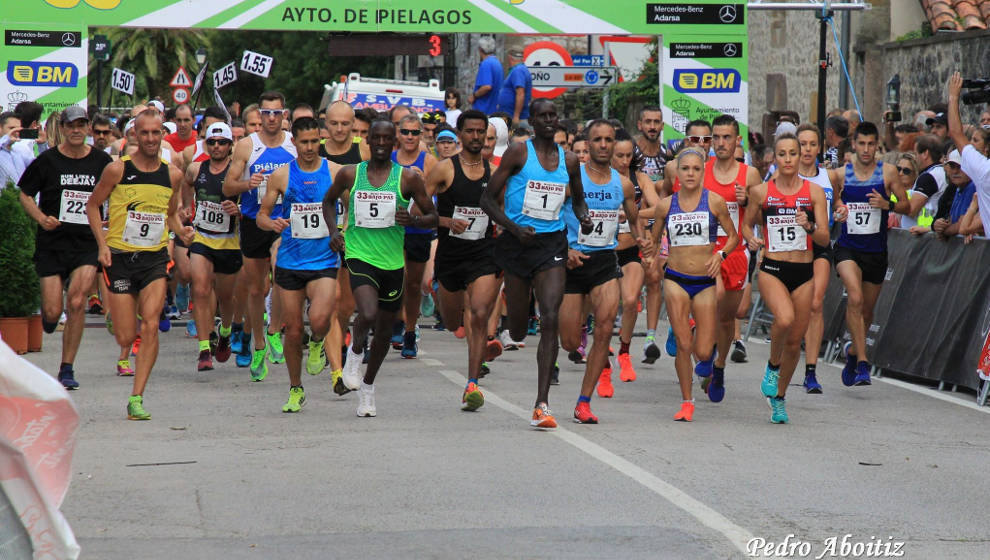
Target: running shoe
583,415
366,402
164,323
493,349
671,345
686,413
862,374
427,306
738,354
626,371
67,378
135,408
849,371
461,332
704,367
259,367
214,341
124,368
351,373
485,370
181,298
205,361
398,331
576,356
506,339
243,358
472,399
337,382
651,352
811,384
605,388
235,339
543,418
779,414
316,360
274,347
716,385
555,374
172,312
409,347
136,346
191,331
94,305
297,398
769,384
223,350
534,326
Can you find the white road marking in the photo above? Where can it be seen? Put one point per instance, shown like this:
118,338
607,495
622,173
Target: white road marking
737,535
928,392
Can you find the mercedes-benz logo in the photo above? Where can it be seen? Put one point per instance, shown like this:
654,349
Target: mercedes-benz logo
727,13
730,50
68,39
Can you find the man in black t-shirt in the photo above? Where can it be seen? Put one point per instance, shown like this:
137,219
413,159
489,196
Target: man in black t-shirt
65,254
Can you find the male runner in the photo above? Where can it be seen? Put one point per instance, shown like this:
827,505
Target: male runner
650,126
379,192
465,262
184,135
536,178
307,267
255,158
861,249
102,132
197,151
65,254
144,192
214,246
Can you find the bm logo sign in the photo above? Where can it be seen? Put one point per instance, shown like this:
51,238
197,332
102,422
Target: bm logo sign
716,80
52,74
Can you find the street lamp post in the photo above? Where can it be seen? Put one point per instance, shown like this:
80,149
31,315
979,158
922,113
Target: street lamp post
201,54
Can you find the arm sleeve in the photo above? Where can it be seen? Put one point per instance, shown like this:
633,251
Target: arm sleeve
926,185
33,178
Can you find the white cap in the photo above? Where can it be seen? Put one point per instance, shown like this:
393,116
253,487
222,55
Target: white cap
785,128
954,157
128,126
171,126
219,129
501,135
157,105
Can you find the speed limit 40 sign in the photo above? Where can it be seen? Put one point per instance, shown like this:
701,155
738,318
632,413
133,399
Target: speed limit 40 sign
180,95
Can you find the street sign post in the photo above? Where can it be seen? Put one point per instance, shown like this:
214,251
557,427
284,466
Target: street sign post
180,95
181,79
573,76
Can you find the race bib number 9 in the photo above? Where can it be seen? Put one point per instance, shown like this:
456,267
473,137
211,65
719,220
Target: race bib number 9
543,200
863,219
211,217
143,229
306,221
784,234
73,208
477,221
374,210
604,225
688,229
734,214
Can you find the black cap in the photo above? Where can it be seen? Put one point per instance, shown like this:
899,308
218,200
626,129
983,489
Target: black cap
939,118
73,113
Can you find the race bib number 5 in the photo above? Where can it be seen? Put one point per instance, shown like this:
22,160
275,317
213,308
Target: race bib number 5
143,229
863,218
73,208
784,234
543,200
306,221
374,210
477,222
604,224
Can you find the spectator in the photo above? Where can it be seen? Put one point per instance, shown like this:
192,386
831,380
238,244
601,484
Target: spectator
985,119
15,156
929,186
973,163
52,132
489,78
938,125
852,117
921,120
517,90
501,139
980,139
520,135
836,131
907,174
956,200
452,102
896,135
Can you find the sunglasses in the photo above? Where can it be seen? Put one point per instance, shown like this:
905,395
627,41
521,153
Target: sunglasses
271,112
220,142
407,132
699,139
904,170
100,132
741,159
431,118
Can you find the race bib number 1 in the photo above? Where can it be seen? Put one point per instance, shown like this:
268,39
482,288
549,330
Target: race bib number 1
306,221
374,210
143,229
477,221
604,224
73,208
543,200
784,234
863,219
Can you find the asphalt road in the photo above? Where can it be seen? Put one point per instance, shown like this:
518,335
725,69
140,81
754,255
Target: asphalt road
221,472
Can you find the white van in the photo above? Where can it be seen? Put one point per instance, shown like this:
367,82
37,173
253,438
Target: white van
382,95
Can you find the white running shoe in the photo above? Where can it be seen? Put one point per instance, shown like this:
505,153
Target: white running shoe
507,343
352,370
366,402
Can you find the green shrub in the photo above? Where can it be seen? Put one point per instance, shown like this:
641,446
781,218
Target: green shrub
20,294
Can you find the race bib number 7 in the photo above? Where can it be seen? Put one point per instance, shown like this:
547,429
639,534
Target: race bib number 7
73,207
543,199
477,221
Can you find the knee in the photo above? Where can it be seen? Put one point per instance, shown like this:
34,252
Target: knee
201,290
816,306
630,305
570,341
784,320
149,329
548,321
855,302
703,353
294,329
76,303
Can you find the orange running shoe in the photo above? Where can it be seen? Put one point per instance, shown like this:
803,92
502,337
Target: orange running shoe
460,332
583,415
542,418
493,349
136,346
686,412
605,389
626,371
472,399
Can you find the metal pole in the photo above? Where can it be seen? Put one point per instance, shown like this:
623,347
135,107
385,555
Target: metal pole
844,84
840,6
99,83
606,56
822,75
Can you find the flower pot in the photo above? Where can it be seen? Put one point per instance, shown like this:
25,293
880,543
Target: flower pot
14,331
35,333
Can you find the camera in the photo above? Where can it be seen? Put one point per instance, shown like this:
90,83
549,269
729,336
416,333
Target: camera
979,91
29,134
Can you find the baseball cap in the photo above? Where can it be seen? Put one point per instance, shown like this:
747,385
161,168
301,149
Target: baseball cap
128,126
157,105
954,157
171,126
219,129
73,113
785,127
446,136
939,118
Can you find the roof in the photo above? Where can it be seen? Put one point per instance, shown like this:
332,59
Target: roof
957,15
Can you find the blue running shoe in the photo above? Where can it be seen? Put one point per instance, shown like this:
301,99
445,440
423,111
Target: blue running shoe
182,298
191,329
769,384
164,323
409,348
849,371
671,346
704,367
398,330
235,340
243,358
533,328
862,374
716,388
811,384
779,415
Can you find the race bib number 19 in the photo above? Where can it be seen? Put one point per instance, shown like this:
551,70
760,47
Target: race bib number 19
73,208
543,200
306,221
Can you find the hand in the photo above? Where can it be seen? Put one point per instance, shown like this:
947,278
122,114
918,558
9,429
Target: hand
256,180
459,226
470,98
402,217
940,225
841,213
337,241
740,193
955,85
50,223
877,200
104,256
919,230
714,265
186,213
968,239
801,218
525,235
645,245
586,224
576,258
753,243
230,207
279,225
515,122
42,136
15,134
187,235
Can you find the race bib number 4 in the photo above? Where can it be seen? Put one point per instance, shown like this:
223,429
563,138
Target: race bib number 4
688,229
543,200
604,225
374,210
477,222
211,217
863,219
734,214
306,221
784,234
143,229
73,208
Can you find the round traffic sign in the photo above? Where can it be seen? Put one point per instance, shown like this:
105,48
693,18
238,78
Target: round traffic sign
180,95
547,53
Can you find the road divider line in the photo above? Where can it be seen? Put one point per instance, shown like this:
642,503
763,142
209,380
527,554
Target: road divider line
927,391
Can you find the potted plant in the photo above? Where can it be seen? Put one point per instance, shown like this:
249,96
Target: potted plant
20,294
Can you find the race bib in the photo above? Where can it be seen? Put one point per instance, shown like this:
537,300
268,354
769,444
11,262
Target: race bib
543,200
784,234
734,214
374,210
624,225
604,225
306,221
143,229
263,188
863,219
211,217
73,207
688,229
477,221
341,214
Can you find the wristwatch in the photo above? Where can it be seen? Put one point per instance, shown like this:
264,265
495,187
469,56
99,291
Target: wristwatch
723,254
890,205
